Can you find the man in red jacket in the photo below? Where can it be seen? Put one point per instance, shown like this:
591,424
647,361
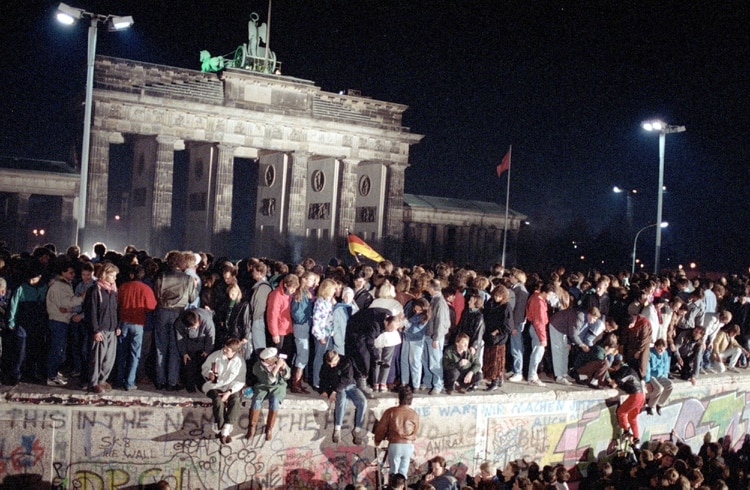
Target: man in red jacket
279,314
135,299
536,314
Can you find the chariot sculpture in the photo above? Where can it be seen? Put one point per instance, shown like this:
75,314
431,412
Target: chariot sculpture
248,56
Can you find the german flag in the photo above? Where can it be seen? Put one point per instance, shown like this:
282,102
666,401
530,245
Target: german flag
357,247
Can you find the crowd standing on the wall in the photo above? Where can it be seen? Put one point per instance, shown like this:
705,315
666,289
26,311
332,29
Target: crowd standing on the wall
195,322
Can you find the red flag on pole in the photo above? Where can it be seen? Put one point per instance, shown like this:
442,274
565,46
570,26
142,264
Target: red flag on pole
504,165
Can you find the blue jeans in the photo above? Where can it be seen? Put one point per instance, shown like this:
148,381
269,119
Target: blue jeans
516,349
165,341
128,353
273,402
14,341
320,351
537,352
411,362
58,342
432,364
559,348
79,345
258,329
302,343
354,394
399,456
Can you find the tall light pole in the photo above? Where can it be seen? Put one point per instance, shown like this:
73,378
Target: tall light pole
69,15
635,241
663,130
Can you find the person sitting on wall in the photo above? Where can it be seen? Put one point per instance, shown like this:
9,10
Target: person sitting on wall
657,378
337,385
726,348
687,353
592,367
461,368
224,372
272,373
195,334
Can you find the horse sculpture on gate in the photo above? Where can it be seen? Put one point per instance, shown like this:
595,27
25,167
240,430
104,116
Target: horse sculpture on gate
250,55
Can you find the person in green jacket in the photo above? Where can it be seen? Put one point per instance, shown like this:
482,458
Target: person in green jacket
27,325
461,367
271,372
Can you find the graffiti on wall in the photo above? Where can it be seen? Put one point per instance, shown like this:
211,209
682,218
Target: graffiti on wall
109,448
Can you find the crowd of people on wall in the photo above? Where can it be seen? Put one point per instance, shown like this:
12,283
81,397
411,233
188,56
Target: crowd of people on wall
191,321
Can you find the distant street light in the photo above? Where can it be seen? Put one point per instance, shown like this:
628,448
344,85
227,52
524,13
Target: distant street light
635,241
69,15
663,130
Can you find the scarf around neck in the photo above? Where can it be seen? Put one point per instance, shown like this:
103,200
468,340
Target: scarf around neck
107,286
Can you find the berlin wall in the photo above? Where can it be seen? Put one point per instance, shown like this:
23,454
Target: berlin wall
76,441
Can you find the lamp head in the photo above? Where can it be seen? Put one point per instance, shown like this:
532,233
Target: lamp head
120,22
68,15
655,125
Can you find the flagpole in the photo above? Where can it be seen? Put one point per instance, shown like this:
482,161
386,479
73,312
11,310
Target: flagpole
507,203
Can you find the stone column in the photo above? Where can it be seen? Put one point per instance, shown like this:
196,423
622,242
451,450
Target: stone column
161,211
98,182
298,194
394,202
22,208
221,207
393,231
20,231
161,236
66,213
67,219
425,245
348,197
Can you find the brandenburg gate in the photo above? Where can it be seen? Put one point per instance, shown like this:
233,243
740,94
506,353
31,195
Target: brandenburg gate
325,162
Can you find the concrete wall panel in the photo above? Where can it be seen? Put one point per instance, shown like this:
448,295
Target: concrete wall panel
75,441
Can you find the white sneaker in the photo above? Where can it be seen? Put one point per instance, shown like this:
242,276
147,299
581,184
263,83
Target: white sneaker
562,380
58,380
721,367
336,435
516,378
536,382
733,369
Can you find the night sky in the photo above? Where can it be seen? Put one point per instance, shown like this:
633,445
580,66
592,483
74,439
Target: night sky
567,84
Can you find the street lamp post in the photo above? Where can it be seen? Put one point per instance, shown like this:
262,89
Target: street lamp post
68,15
635,241
663,130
